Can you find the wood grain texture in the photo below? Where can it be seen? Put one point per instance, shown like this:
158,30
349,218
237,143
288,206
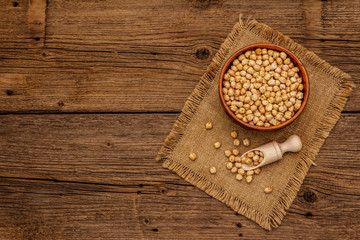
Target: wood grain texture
93,176
81,176
141,56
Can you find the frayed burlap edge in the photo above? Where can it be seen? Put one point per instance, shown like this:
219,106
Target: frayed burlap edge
331,116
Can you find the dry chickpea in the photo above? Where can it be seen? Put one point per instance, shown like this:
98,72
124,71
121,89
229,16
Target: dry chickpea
249,179
257,171
217,145
268,190
227,153
248,161
250,154
235,152
246,142
234,170
192,156
250,173
232,158
238,164
287,115
297,106
229,165
256,158
212,170
236,142
283,56
301,87
208,125
241,171
239,177
233,134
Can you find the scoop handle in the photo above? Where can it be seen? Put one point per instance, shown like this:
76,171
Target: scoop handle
292,144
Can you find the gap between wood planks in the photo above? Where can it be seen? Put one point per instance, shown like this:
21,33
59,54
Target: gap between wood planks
92,183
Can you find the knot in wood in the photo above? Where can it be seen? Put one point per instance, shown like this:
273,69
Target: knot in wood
310,196
61,104
202,53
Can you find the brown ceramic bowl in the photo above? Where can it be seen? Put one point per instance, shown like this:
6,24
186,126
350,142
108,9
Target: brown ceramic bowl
302,74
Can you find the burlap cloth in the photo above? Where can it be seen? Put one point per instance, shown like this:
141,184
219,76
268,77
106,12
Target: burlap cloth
329,89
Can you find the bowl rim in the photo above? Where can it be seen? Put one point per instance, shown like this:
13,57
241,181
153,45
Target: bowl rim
302,73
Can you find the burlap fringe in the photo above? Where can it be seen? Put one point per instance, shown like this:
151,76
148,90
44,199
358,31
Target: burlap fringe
330,118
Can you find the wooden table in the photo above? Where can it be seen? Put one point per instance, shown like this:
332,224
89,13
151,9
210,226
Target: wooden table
90,89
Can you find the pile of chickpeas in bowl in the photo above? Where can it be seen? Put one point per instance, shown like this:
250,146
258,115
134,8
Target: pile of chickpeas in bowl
263,87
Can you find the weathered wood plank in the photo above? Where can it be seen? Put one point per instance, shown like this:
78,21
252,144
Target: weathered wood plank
98,179
39,210
107,148
110,57
32,209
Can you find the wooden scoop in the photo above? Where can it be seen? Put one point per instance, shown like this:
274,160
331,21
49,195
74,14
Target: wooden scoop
274,151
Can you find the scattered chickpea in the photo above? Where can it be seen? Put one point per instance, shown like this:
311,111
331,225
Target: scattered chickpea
192,156
241,171
208,125
249,179
217,145
257,171
250,173
235,152
238,164
236,142
229,165
268,190
239,177
246,142
213,170
233,134
227,153
234,170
